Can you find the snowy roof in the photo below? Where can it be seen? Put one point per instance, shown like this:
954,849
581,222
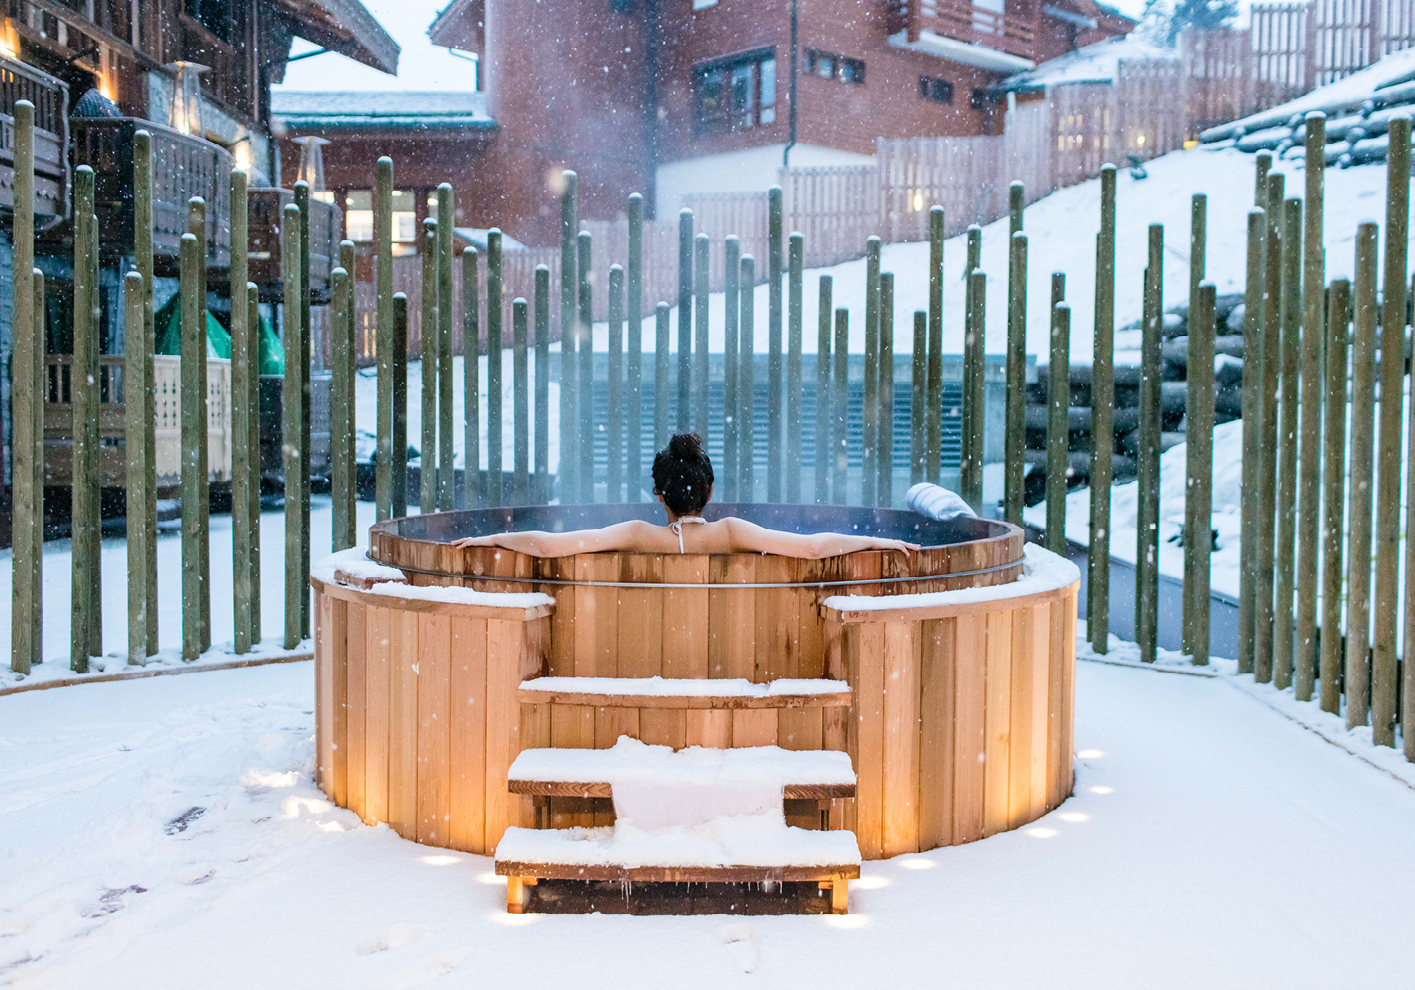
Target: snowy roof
364,110
1096,63
345,26
422,66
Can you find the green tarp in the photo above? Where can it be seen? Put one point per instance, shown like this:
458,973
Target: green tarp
168,325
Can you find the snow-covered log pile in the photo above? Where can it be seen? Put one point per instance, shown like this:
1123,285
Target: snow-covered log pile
1358,108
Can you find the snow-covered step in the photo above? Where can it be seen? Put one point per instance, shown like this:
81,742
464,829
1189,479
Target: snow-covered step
789,774
687,692
737,849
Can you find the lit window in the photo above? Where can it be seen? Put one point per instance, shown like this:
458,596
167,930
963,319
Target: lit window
737,93
828,65
358,216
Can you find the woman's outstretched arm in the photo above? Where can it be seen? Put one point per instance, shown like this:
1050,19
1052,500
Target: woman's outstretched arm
753,538
621,536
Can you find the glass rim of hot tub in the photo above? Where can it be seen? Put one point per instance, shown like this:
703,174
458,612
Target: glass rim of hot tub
441,528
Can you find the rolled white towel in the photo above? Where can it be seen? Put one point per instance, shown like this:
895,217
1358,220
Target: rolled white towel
936,503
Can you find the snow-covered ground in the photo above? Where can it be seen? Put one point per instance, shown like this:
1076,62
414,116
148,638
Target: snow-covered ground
166,833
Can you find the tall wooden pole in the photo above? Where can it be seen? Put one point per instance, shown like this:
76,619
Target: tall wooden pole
614,374
138,495
884,444
965,467
1283,618
584,343
702,245
495,367
919,384
795,288
569,298
87,599
840,393
446,472
1264,627
142,249
1255,436
1014,405
253,444
869,411
776,249
427,473
685,318
1015,408
1200,438
26,388
731,423
1309,454
933,392
347,258
196,225
975,362
340,412
292,447
1262,164
1148,457
1384,685
302,200
243,335
1333,483
398,361
634,309
1058,408
542,344
1102,421
473,491
384,451
1198,220
662,391
521,402
1363,457
746,372
824,419
193,437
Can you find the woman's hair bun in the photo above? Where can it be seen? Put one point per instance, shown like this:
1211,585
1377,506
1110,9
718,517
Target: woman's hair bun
686,446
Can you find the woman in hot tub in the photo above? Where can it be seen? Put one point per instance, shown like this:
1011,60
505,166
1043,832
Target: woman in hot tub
682,479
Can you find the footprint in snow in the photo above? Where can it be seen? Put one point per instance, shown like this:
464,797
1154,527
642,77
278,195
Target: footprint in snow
431,968
741,945
180,823
392,937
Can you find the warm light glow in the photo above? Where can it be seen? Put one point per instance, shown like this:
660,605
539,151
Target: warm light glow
105,86
1075,816
1140,140
918,202
917,864
442,860
1042,833
846,920
1090,754
1102,790
491,879
870,883
242,155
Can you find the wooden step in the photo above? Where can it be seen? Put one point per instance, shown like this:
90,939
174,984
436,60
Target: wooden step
691,693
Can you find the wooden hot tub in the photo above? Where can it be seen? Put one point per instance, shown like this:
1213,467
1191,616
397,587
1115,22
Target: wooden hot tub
421,711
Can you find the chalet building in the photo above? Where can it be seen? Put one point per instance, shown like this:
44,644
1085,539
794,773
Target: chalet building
197,75
675,96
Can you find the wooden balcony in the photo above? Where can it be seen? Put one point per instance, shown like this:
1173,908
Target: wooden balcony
1012,31
182,166
51,136
326,224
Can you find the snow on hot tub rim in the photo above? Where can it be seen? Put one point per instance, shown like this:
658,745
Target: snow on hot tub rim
1042,572
383,579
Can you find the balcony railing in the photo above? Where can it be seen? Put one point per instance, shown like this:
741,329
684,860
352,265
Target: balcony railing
182,167
326,223
51,136
1011,32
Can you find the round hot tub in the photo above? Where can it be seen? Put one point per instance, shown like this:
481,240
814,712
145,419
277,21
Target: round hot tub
960,683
